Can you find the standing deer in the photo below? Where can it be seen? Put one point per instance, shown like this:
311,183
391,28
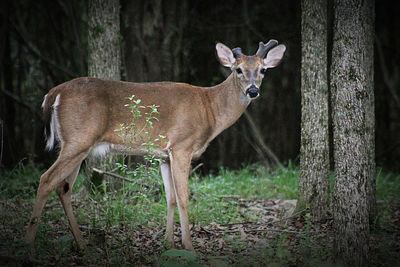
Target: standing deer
83,114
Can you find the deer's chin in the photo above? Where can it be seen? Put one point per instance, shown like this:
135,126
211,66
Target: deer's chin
252,97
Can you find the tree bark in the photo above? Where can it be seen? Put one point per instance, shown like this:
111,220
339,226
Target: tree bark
9,149
104,59
154,48
314,151
104,56
353,118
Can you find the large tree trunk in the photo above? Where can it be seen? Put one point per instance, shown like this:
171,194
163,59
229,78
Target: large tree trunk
104,59
314,153
353,117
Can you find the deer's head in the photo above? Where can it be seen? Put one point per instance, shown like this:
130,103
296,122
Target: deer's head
249,71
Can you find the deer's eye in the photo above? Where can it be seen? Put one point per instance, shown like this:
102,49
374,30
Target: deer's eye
263,71
239,71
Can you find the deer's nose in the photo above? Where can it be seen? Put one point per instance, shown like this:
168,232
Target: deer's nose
252,91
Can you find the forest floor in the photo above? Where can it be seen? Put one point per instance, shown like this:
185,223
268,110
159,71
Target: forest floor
232,226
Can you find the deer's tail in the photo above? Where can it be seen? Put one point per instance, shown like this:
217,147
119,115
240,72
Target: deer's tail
52,126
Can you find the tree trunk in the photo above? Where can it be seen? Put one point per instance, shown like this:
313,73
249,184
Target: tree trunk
104,39
154,48
104,59
314,152
353,118
370,107
8,114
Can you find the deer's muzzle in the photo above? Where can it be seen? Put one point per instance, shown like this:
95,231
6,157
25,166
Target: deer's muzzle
252,91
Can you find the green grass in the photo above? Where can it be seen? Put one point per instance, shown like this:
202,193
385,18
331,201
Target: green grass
21,181
215,197
147,206
253,181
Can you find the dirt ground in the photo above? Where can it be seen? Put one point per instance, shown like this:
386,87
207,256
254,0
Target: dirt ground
276,237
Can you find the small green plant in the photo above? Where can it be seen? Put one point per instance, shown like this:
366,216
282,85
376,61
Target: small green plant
138,132
140,186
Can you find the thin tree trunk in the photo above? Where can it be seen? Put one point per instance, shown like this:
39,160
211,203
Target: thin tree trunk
314,152
353,118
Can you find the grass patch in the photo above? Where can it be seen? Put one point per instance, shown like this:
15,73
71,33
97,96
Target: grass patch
387,186
215,197
21,181
136,204
385,231
253,181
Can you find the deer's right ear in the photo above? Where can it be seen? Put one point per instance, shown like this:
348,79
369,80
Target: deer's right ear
225,55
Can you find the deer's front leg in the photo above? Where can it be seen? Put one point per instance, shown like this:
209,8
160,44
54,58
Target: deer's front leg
180,166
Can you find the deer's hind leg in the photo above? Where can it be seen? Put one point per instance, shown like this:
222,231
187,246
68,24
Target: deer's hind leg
171,201
64,167
64,191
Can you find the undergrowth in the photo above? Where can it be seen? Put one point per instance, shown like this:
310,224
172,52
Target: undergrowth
112,217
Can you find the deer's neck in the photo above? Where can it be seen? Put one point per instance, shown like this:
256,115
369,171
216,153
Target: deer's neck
228,103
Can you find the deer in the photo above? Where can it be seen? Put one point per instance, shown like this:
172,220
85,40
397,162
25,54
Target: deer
82,116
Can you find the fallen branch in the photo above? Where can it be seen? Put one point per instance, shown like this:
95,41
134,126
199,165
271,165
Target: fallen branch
238,197
294,215
276,230
237,223
239,230
195,168
202,229
226,196
113,175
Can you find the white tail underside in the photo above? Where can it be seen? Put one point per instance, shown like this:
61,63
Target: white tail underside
54,125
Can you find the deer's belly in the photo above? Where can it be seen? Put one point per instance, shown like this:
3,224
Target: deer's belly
103,149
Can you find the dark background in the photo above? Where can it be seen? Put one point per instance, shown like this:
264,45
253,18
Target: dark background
44,43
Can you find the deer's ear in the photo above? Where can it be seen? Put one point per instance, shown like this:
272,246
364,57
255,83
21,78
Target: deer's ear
274,56
225,55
